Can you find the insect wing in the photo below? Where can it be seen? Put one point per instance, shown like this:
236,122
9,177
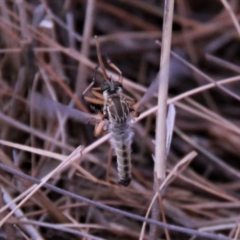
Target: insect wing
170,125
48,107
148,94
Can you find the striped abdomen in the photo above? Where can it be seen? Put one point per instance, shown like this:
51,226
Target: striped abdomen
121,140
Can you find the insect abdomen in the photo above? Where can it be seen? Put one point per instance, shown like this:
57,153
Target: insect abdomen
121,140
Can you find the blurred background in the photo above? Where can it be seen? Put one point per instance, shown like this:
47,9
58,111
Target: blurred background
48,47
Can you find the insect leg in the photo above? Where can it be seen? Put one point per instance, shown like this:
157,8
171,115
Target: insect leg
94,100
132,105
99,127
92,83
99,99
100,60
113,66
96,93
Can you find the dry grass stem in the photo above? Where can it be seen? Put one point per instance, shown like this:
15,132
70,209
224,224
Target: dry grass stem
160,151
161,137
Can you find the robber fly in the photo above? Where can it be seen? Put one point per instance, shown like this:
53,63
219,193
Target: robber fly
117,112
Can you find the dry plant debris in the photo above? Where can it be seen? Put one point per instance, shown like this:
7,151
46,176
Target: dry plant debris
57,181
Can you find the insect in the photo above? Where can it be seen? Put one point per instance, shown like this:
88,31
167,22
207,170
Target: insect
116,113
117,110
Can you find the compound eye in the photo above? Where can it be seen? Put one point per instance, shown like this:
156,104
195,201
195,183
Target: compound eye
105,87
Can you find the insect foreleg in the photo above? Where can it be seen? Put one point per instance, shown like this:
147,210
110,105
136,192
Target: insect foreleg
113,66
92,83
94,100
97,94
98,98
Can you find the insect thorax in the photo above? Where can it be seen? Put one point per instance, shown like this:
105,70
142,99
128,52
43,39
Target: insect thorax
117,109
